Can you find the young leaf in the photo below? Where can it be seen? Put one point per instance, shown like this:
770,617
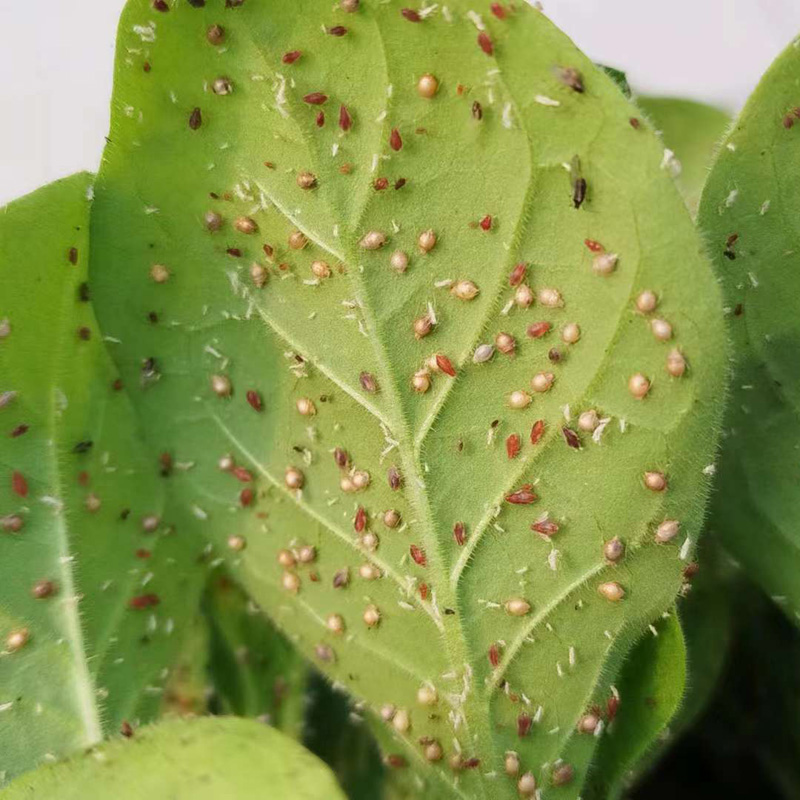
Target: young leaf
199,759
746,215
95,589
338,203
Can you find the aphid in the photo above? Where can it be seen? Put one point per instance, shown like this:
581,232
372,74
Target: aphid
315,98
399,261
221,385
418,555
477,110
92,503
459,533
433,751
588,421
550,298
246,225
410,15
349,6
373,240
570,333
426,241
445,365
498,10
523,296
612,591
368,382
143,601
43,589
341,458
337,30
306,180
524,724
646,301
518,606
17,639
372,616
538,329
13,523
290,582
246,497
294,478
667,531
661,329
215,35
427,85
222,86
345,120
391,518
195,118
341,578
361,479
369,572
517,275
159,273
150,523
526,785
427,696
306,407
594,246
676,363
464,290
324,653
513,445
505,343
542,381
485,43
545,528
570,76
335,623
562,775
395,140
161,5
578,182
381,184
307,554
394,478
537,431
494,654
604,263
125,728
519,399
638,386
614,550
655,481
212,220
588,723
259,275
423,591
511,764
422,326
571,438
486,223
297,240
286,558
483,353
291,56
237,543
360,520
226,463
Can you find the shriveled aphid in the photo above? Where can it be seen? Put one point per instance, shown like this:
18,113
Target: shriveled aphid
410,15
212,220
335,624
150,523
542,381
307,554
297,240
399,261
550,298
373,240
369,572
17,639
324,653
588,723
337,30
422,326
655,481
570,333
394,479
638,386
341,578
315,98
646,302
418,555
485,43
604,264
537,431
246,225
526,785
459,533
519,399
321,269
445,365
571,438
539,329
294,478
159,273
345,119
360,519
421,381
614,550
215,35
571,77
426,241
513,445
464,290
195,119
546,528
667,531
517,607
517,275
676,363
505,343
290,582
237,543
391,518
588,421
372,616
306,180
661,329
222,86
427,695
612,591
427,85
562,775
523,296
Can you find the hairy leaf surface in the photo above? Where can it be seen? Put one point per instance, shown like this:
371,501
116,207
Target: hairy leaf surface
199,759
240,132
87,619
748,214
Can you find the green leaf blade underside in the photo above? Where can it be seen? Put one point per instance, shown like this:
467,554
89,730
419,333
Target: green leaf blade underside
747,214
303,337
74,476
199,759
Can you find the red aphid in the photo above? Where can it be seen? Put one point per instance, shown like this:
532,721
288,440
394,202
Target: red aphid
246,497
255,400
537,431
320,119
410,15
486,223
316,98
242,474
523,496
612,707
142,553
18,484
498,10
494,655
360,521
524,724
337,30
571,438
459,533
423,591
445,365
395,140
517,275
538,329
418,554
144,601
485,43
594,246
513,445
345,120
291,56
545,528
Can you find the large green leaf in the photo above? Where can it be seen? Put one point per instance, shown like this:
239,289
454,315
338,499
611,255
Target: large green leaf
747,214
96,587
200,179
200,759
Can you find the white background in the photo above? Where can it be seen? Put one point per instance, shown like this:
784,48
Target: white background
56,65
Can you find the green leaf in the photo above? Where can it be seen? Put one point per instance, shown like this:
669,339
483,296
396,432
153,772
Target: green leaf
200,759
692,131
75,486
619,77
746,214
205,184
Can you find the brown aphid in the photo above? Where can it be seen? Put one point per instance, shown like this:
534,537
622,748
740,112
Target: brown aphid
459,533
341,457
524,725
395,140
391,518
571,77
513,445
17,639
369,382
523,496
426,241
638,386
321,269
337,30
394,478
294,478
612,591
297,240
614,550
43,589
315,98
126,729
676,363
410,15
215,35
562,775
571,438
373,240
485,43
341,578
221,385
477,110
291,56
445,365
546,528
195,118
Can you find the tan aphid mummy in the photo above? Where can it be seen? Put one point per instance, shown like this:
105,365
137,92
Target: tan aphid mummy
427,85
246,225
551,298
399,261
667,530
387,712
372,616
307,554
571,333
542,382
369,572
401,721
661,329
465,290
526,785
614,550
259,275
483,353
335,623
361,479
518,606
286,558
294,478
604,263
426,241
370,541
562,775
588,723
159,273
655,481
212,221
290,582
523,296
150,523
422,326
346,484
226,463
222,86
638,386
349,6
237,543
505,343
321,269
17,639
373,240
646,302
427,695
391,518
221,385
612,591
519,399
92,503
511,763
588,421
433,751
297,240
306,180
306,407
421,381
676,363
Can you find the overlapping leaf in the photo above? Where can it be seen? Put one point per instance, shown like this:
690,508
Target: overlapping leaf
284,373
